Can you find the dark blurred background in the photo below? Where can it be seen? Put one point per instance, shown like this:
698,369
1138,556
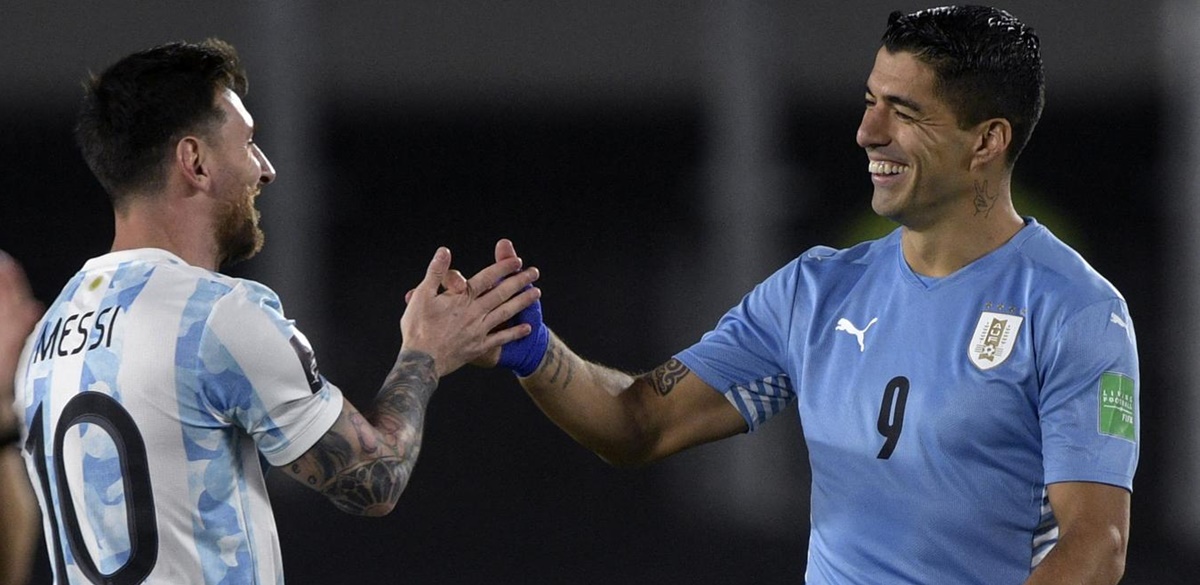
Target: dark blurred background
655,160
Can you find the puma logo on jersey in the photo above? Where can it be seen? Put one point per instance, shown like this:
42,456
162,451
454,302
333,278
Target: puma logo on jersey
844,324
1122,323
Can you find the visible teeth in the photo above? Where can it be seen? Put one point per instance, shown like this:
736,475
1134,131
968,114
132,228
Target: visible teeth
885,168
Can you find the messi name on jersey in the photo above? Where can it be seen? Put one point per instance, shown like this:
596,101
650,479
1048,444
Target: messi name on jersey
71,335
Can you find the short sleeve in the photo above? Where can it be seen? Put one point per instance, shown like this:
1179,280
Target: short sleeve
260,374
743,356
1089,403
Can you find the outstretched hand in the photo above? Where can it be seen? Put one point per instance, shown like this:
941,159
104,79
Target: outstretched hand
464,323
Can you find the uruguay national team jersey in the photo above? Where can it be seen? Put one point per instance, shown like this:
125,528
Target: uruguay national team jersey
148,392
936,411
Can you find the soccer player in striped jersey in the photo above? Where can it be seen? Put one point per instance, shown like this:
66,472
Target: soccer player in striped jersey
968,385
156,390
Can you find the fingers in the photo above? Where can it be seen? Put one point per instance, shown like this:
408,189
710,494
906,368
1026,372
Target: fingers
507,335
509,307
487,278
455,283
452,281
438,268
439,277
506,256
505,250
512,285
505,290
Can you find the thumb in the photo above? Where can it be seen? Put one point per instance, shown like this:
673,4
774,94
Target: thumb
436,272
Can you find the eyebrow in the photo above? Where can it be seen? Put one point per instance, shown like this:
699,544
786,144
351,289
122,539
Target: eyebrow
897,100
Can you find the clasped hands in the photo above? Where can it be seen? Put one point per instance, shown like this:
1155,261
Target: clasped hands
493,318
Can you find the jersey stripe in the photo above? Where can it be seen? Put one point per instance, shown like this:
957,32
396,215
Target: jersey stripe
761,399
1045,536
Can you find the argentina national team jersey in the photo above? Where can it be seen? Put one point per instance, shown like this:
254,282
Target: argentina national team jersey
936,411
148,393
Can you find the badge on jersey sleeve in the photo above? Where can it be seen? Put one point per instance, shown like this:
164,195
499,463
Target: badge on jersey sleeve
994,338
308,360
1117,406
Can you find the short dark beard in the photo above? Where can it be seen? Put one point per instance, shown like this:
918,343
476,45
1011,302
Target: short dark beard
238,235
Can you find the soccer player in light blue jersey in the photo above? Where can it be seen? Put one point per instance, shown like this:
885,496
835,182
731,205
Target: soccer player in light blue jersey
968,385
155,389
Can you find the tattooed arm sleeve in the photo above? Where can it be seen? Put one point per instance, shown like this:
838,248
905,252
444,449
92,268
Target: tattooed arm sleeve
363,462
629,420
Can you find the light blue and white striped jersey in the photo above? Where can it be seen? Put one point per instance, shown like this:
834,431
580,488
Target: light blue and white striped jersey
148,392
936,411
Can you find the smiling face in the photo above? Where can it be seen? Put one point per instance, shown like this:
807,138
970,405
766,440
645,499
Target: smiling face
918,157
239,176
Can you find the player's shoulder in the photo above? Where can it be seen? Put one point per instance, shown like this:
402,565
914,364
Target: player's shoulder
824,270
255,293
176,281
243,297
1058,266
856,258
233,305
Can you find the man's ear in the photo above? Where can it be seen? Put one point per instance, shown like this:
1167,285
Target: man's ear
191,160
993,139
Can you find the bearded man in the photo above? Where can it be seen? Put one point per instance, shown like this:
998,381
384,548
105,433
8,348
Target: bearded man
156,390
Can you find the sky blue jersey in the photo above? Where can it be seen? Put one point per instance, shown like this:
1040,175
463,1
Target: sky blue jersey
149,393
936,411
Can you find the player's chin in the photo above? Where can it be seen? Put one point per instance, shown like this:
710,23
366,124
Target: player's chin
892,201
243,247
884,205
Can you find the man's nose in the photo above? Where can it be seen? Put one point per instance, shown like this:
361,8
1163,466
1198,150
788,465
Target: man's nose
268,171
872,131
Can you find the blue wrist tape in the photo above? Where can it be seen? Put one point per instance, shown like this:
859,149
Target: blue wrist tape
524,355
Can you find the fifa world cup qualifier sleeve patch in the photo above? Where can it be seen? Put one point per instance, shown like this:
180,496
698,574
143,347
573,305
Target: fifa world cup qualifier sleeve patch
1117,406
308,360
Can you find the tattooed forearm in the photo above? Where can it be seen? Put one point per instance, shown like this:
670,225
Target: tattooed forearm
984,201
400,405
331,454
364,462
410,383
559,363
664,377
369,489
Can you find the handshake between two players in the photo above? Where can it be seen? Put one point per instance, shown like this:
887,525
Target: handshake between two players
492,319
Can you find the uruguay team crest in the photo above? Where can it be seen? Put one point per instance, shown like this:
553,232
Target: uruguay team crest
994,338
